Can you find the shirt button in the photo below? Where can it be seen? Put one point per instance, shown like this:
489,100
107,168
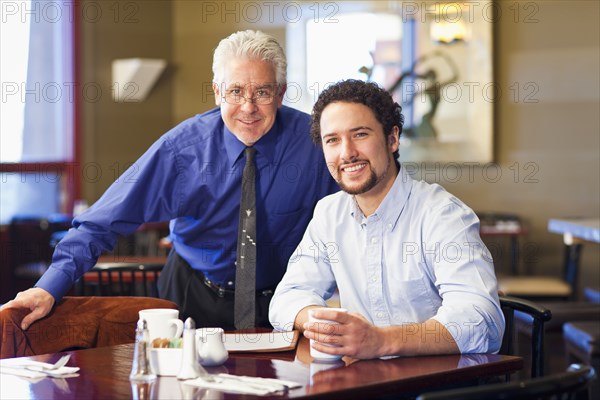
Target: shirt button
390,226
374,240
374,279
380,315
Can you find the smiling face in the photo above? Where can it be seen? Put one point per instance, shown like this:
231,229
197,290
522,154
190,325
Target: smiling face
249,78
356,150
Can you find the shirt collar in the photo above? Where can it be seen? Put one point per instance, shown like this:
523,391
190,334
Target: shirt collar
393,203
265,147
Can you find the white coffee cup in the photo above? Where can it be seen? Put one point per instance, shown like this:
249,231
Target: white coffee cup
316,354
163,323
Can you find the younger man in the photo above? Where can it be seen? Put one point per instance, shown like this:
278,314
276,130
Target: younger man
406,256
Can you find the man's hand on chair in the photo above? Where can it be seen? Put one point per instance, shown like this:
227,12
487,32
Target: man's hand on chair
37,300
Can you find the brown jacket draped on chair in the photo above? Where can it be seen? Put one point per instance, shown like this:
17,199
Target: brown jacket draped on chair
75,323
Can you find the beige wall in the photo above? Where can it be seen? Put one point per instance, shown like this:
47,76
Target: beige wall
197,29
557,139
547,151
115,134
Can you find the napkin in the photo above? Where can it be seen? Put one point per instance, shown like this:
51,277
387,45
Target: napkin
33,369
243,384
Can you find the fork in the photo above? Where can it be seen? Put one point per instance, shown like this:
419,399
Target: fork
43,368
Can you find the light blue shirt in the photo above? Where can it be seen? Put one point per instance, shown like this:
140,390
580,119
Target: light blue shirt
418,257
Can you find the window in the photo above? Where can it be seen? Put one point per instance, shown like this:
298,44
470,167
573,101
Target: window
336,49
37,131
435,60
372,52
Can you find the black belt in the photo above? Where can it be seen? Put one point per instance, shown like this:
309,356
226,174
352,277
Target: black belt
215,287
222,292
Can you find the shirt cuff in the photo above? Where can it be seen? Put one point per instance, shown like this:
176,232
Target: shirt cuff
471,336
283,318
55,282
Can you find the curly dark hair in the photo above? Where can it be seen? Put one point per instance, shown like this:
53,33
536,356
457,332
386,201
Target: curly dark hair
385,109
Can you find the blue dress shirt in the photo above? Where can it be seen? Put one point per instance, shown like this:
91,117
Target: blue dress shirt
419,256
192,177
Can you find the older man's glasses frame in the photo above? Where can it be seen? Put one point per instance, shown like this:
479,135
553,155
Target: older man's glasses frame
257,94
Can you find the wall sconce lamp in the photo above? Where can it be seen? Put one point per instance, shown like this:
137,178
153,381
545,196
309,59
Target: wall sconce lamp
133,78
446,32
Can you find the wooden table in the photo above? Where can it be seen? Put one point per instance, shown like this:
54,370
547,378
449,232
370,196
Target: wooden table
105,374
574,229
575,232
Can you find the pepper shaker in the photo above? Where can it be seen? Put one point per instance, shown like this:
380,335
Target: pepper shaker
141,370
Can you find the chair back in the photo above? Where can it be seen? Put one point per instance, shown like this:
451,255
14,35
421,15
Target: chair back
539,316
572,255
122,278
571,384
29,250
533,287
75,323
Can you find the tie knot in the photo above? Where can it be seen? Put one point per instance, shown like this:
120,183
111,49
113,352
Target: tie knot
250,154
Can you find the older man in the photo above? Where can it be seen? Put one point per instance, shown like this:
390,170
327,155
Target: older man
193,177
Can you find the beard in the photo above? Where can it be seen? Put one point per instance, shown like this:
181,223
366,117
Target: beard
369,184
361,188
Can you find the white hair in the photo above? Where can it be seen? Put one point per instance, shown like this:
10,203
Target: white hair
253,45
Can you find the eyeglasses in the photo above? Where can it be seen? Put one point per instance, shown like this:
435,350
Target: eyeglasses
263,96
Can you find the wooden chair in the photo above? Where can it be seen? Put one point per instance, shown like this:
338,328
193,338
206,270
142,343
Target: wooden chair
532,287
539,315
30,249
545,288
582,342
136,276
503,225
562,312
571,384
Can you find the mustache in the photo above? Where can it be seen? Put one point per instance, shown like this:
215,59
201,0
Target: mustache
337,169
354,160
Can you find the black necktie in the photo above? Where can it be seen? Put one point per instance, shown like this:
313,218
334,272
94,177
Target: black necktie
245,275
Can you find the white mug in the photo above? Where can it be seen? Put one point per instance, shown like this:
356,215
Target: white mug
316,354
163,323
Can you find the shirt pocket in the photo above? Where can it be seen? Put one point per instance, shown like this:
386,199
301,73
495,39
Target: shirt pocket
412,299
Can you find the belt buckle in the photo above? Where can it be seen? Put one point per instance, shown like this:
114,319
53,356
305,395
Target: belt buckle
219,291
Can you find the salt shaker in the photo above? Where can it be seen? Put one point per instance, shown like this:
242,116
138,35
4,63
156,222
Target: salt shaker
141,370
190,368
